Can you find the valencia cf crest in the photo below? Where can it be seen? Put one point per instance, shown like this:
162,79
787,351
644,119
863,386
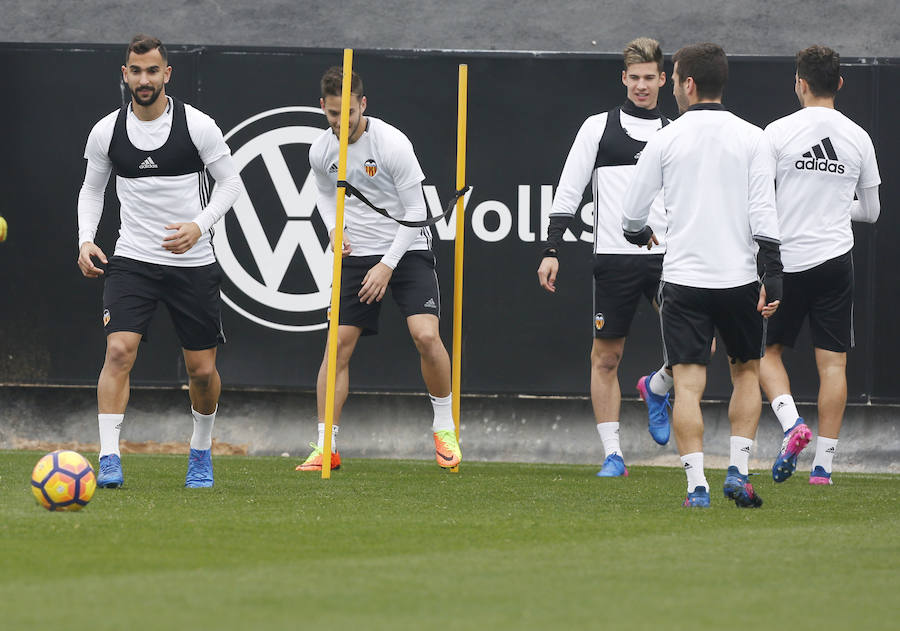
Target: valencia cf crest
371,167
599,321
105,317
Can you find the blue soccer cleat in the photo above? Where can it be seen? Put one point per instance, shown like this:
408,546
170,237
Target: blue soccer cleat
795,439
657,410
819,477
110,476
613,467
737,488
698,498
200,471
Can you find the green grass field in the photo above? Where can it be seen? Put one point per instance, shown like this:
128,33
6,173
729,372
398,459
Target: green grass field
404,545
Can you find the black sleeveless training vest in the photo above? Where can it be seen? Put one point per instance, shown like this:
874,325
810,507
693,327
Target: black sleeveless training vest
177,156
616,148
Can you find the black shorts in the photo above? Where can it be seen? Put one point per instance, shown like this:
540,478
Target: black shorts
413,286
825,294
619,282
690,317
132,289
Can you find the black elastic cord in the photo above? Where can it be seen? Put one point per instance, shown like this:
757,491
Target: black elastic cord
352,191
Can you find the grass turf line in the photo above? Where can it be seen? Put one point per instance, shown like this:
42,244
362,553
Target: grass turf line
404,545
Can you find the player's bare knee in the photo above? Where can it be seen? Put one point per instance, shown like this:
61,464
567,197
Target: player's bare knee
427,341
605,361
120,355
202,375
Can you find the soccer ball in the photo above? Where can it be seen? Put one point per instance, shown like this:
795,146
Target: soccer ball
63,480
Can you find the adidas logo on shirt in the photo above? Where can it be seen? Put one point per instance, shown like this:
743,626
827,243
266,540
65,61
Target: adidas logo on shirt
333,168
148,164
822,157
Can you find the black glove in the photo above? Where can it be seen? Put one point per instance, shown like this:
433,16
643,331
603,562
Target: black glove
641,238
769,267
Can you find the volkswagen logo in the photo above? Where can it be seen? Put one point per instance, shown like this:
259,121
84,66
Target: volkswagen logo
273,248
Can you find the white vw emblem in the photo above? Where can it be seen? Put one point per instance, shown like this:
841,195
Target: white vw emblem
257,262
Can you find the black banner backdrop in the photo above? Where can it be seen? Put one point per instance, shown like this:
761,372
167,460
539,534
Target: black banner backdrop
524,111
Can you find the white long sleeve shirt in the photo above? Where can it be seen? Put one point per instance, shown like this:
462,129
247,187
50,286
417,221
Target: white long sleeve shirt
148,204
608,183
714,170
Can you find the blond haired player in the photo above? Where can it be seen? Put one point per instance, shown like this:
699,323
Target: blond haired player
604,153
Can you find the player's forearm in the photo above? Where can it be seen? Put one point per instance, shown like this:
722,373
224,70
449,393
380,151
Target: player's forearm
90,201
867,206
566,200
644,188
415,209
404,239
228,188
769,267
555,231
636,207
90,209
223,198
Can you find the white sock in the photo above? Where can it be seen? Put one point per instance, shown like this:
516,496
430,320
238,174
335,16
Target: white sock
110,426
661,381
609,436
334,432
443,413
740,453
693,467
825,448
786,411
203,427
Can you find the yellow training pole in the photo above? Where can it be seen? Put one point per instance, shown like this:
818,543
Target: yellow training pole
456,368
336,273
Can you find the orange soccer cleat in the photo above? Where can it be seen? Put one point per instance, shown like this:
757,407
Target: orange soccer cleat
446,449
314,461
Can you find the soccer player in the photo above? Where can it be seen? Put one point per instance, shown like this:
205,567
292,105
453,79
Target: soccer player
160,150
720,198
379,253
821,159
605,151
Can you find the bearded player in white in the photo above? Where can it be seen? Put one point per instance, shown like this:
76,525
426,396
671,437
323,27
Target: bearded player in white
160,150
379,253
821,159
